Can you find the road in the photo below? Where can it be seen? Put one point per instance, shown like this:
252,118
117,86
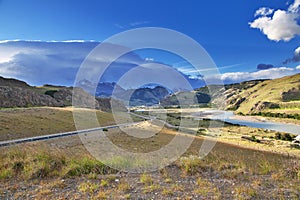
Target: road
64,134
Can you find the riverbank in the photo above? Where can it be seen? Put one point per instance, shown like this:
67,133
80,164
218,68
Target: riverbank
243,136
276,124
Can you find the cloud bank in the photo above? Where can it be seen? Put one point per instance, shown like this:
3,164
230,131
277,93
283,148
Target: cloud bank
280,24
43,62
39,62
272,73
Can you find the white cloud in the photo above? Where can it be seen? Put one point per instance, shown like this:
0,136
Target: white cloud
297,51
281,26
264,11
57,62
40,62
295,58
294,7
272,73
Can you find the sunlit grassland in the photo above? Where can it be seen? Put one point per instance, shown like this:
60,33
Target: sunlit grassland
270,91
27,122
251,171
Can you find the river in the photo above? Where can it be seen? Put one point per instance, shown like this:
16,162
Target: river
230,117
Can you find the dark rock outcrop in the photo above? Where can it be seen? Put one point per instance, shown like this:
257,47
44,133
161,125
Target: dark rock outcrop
14,93
22,97
291,95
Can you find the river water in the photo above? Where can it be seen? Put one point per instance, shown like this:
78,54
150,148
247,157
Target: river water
228,116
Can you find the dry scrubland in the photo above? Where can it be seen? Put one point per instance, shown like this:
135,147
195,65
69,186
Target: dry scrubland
64,169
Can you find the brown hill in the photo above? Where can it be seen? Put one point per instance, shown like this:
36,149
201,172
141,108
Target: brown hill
15,93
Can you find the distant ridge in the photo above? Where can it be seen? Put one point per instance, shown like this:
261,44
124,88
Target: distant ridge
15,93
10,82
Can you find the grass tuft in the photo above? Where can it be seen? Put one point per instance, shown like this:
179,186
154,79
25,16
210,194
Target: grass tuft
146,179
189,164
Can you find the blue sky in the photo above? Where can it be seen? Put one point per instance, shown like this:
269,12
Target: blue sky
237,34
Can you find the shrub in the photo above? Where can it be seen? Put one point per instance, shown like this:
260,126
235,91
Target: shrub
287,137
278,136
254,139
87,166
18,166
189,164
50,92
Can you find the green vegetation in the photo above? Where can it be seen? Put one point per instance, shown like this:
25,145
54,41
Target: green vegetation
51,92
284,136
278,115
48,89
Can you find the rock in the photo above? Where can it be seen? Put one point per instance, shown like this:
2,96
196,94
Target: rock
297,138
23,97
259,106
291,95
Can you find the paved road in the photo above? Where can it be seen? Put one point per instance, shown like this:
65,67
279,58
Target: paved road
58,135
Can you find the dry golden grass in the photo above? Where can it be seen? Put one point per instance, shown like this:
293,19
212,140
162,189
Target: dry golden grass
27,122
236,167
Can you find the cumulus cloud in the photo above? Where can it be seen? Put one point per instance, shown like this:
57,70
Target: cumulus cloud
271,73
295,58
264,66
282,25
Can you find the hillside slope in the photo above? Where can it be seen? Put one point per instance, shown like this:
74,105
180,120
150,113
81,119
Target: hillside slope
282,93
15,93
277,98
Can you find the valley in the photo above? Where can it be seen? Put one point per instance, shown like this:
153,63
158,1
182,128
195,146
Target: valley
245,162
229,171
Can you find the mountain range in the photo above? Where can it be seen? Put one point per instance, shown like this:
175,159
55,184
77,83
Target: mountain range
249,97
148,95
